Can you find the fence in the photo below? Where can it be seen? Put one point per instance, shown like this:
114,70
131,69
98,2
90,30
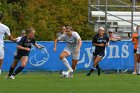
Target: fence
118,55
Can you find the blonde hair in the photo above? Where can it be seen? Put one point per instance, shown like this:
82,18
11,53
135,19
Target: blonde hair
69,27
29,29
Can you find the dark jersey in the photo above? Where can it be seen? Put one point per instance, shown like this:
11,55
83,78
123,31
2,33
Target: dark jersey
24,43
98,40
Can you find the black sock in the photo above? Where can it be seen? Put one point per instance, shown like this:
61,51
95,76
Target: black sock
11,70
19,69
97,67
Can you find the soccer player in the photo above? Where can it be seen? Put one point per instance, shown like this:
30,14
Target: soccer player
23,33
112,36
138,50
74,43
62,31
100,41
4,30
22,53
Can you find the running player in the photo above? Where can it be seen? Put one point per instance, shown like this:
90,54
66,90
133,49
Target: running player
22,53
74,43
3,30
100,41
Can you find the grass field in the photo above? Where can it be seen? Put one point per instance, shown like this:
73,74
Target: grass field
52,83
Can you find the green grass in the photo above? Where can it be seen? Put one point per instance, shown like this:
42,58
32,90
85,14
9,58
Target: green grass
52,83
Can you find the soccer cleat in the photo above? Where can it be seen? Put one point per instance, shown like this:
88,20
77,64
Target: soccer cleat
12,77
70,73
88,74
134,73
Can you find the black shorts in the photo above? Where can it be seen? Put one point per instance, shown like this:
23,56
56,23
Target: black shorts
101,54
18,56
135,50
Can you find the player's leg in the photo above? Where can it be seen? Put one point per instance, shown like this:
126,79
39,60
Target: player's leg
14,64
24,60
1,60
1,57
75,58
135,64
63,56
138,64
74,63
97,59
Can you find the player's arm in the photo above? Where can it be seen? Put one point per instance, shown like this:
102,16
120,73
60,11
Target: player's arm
55,44
12,39
9,35
23,48
79,46
108,42
38,46
58,39
94,42
20,47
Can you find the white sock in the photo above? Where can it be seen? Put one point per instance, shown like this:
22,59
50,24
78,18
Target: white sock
138,68
0,71
66,63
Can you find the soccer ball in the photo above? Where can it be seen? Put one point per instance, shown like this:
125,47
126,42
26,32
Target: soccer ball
65,74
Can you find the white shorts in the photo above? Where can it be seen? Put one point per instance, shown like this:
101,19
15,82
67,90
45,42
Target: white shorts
72,53
1,52
138,50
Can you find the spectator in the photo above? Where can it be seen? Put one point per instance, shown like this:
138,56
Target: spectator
112,36
135,42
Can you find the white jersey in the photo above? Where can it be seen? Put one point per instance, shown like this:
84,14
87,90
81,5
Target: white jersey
4,30
59,34
72,42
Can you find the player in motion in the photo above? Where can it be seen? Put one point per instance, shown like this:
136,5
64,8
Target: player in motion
100,41
22,53
4,30
74,43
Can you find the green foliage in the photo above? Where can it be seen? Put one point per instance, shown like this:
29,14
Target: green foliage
46,16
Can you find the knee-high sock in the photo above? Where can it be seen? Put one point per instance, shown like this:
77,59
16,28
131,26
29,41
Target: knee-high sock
97,66
11,70
138,67
0,71
66,63
19,69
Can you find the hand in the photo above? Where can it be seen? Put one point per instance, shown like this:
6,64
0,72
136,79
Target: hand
76,51
54,49
27,49
40,47
102,44
107,44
